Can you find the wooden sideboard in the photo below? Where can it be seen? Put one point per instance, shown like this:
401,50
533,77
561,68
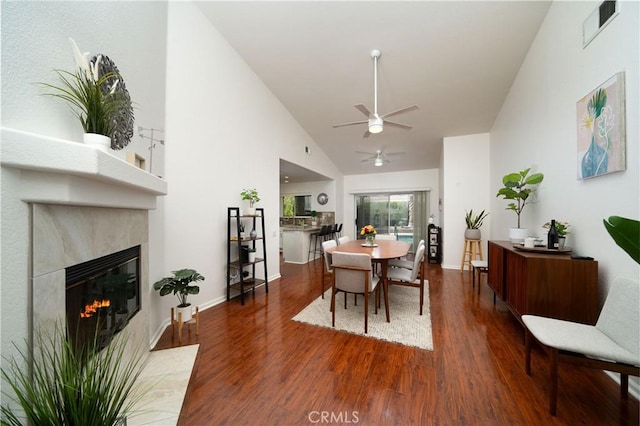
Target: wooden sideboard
550,285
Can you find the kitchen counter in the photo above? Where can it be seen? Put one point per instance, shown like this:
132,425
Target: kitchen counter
295,243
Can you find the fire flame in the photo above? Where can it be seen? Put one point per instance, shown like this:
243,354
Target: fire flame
90,310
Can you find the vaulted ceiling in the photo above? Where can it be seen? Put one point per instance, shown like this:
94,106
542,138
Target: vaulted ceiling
455,60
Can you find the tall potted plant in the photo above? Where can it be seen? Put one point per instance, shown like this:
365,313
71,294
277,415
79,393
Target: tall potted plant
474,222
250,195
519,187
180,285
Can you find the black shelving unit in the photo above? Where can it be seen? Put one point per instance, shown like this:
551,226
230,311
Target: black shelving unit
246,271
434,245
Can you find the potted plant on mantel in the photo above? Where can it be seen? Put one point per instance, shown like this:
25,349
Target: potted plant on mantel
519,187
474,222
180,285
99,98
250,195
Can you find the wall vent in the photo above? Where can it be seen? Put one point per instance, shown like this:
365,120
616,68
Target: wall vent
599,18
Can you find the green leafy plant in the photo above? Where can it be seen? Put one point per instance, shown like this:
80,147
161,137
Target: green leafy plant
92,97
250,195
314,213
626,233
180,285
67,385
519,186
474,221
561,226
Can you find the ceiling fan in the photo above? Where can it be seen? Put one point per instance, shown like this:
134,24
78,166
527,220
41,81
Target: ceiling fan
375,121
378,157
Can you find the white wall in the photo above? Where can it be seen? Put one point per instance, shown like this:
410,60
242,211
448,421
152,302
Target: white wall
34,42
225,131
414,180
313,189
466,187
537,128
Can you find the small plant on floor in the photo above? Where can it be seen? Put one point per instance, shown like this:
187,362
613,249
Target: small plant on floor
180,285
69,385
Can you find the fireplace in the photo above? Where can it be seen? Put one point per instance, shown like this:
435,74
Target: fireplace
102,295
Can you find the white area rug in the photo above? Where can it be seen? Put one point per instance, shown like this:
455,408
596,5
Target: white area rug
407,327
164,379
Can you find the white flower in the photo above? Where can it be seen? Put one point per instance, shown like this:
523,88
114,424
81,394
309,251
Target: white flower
82,59
95,69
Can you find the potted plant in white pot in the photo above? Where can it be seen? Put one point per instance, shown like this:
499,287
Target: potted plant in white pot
180,285
474,222
314,218
252,255
98,97
519,187
250,195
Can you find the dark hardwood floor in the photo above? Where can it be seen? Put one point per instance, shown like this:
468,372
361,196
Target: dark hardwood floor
258,367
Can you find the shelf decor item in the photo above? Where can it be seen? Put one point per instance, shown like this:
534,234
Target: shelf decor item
98,97
180,285
474,222
369,233
250,195
519,186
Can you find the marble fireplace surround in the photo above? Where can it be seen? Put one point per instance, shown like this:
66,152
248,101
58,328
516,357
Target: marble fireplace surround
64,236
82,204
64,203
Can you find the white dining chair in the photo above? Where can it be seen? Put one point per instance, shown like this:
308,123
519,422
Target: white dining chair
404,262
352,273
343,239
327,270
413,277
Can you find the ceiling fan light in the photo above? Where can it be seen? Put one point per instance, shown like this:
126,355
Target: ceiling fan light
378,162
375,125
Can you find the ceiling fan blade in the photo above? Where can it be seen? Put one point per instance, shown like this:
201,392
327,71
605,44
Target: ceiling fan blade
350,124
393,154
363,109
400,111
394,124
366,134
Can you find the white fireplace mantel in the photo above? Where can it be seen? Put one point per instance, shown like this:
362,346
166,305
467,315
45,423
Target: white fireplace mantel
57,171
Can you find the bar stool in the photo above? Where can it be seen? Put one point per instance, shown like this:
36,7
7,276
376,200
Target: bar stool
472,250
319,238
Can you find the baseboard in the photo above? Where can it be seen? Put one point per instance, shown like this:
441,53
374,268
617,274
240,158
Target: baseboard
634,384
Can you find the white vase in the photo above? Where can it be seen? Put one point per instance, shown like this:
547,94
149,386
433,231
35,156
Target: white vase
100,142
185,311
517,235
252,257
250,211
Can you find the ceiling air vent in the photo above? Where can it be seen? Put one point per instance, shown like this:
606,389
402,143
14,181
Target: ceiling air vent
599,18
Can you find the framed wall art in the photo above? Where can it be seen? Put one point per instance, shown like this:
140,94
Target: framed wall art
601,129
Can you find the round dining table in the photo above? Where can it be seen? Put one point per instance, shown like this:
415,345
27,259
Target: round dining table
381,252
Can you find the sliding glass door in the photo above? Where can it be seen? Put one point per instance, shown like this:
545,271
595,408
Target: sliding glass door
401,214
